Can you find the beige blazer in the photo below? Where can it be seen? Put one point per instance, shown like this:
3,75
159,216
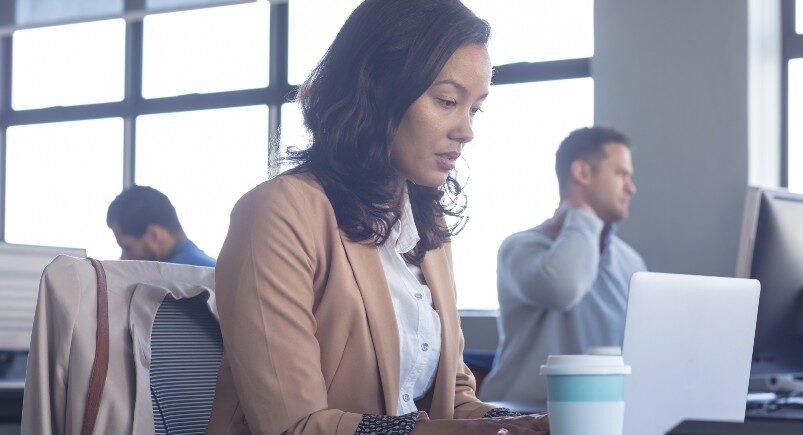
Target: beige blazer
310,338
63,342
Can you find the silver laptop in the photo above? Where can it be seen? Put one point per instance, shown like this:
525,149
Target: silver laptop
689,341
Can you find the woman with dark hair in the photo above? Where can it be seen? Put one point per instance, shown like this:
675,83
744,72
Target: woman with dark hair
334,287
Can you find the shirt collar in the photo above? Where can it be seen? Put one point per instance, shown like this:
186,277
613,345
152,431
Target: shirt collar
606,241
404,233
182,247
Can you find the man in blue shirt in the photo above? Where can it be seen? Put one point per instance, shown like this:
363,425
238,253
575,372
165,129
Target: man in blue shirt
563,285
146,227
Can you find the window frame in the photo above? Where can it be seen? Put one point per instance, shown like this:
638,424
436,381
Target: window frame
792,48
133,103
277,93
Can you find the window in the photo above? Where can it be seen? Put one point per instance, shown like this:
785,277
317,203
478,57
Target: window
791,131
204,161
76,133
206,99
54,12
294,136
531,108
798,17
537,31
312,28
795,132
60,179
511,167
68,65
206,50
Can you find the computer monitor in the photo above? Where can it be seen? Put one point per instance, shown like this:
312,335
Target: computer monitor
771,251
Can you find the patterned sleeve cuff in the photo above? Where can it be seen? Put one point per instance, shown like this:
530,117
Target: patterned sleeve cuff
386,424
501,412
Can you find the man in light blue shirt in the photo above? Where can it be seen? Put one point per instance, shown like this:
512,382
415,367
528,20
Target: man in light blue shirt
563,285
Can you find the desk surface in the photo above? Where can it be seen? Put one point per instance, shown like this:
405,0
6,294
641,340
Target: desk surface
522,407
746,428
750,415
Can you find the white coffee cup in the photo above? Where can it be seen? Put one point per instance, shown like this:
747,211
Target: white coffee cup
604,350
585,394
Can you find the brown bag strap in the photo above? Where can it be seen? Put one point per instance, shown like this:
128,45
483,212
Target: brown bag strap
100,366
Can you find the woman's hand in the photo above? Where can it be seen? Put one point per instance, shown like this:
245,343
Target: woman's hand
524,425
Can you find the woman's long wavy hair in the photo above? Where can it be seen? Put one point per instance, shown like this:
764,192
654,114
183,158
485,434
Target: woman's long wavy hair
385,56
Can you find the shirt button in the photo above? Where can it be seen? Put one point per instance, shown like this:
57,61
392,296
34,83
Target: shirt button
406,397
425,346
419,296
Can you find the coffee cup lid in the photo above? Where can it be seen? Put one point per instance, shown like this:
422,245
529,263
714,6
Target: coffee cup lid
585,365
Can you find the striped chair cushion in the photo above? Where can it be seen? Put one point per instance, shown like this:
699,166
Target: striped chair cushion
186,349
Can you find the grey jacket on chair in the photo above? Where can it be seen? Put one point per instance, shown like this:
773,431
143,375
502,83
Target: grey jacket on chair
63,342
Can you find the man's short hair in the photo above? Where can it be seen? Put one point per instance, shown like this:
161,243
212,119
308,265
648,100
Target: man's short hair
584,144
139,206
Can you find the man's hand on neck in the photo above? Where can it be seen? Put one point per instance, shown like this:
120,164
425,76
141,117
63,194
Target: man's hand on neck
574,202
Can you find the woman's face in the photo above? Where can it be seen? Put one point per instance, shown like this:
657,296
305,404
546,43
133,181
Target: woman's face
432,132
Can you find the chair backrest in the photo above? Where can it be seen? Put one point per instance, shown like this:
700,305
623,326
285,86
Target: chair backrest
186,350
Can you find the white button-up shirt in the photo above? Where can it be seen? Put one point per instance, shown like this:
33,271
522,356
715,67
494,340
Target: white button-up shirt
418,322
